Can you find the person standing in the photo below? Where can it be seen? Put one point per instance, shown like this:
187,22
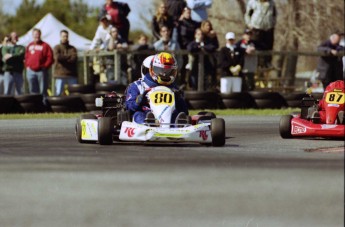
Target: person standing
261,17
38,59
160,19
117,13
13,60
175,8
327,65
115,42
103,29
229,64
199,9
65,67
2,44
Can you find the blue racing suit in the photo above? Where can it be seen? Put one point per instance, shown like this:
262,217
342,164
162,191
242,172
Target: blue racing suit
138,88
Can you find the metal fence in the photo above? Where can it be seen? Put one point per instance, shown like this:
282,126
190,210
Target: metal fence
280,78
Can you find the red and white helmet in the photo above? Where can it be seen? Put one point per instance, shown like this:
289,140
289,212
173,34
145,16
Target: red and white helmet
163,68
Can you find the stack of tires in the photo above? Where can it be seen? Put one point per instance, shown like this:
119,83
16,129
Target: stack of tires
104,88
294,100
32,103
197,100
237,100
66,104
268,100
87,93
8,104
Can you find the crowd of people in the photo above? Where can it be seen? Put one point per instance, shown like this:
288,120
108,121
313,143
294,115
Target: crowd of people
176,25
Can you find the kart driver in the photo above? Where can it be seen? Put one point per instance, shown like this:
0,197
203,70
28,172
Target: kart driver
162,72
338,85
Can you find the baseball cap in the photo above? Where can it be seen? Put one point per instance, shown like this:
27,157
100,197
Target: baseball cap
230,35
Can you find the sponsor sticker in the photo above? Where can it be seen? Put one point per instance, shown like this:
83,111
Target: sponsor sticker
298,129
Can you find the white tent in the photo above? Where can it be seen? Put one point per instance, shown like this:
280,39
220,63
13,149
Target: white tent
50,28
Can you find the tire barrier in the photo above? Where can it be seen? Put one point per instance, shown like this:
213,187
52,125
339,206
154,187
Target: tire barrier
237,100
104,88
194,99
30,103
271,100
81,89
294,99
202,100
8,104
66,104
89,101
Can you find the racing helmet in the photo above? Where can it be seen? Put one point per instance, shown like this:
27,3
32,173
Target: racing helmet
145,66
339,84
163,68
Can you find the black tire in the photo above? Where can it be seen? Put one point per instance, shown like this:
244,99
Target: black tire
232,103
90,98
206,113
29,107
285,126
78,129
268,100
8,104
66,104
91,107
105,130
81,88
30,98
109,87
218,132
196,95
238,100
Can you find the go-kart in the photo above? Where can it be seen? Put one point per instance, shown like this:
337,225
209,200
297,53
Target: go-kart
314,121
114,123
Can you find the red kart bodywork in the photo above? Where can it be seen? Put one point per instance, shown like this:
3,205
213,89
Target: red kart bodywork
305,128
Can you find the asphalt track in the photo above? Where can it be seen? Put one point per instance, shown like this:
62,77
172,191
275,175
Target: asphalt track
256,179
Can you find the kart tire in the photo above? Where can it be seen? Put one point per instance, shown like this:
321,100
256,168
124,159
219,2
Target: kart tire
285,126
218,132
105,130
78,129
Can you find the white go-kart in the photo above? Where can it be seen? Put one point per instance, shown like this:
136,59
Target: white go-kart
115,123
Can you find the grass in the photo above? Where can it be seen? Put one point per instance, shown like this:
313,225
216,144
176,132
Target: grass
225,112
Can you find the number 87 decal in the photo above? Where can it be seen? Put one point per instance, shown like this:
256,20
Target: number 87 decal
335,98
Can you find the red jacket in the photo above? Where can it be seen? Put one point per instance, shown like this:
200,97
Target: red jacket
38,56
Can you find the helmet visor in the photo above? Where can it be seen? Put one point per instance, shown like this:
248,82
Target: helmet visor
164,74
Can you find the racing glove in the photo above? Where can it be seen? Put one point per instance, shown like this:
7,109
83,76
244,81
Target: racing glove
139,99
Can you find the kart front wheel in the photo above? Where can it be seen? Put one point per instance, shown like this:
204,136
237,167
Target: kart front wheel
285,126
218,132
78,127
105,130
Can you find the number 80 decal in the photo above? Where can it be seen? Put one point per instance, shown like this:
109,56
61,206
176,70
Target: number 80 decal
162,98
335,98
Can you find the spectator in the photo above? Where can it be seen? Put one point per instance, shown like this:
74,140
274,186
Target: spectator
103,29
166,43
229,63
3,42
13,65
115,42
327,65
38,59
117,13
66,60
162,18
260,17
175,8
199,9
186,29
199,45
249,61
342,59
211,39
138,59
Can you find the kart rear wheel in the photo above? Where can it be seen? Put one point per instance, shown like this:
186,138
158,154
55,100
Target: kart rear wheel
78,129
218,132
105,130
285,126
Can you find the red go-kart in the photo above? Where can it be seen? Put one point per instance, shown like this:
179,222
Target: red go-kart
318,118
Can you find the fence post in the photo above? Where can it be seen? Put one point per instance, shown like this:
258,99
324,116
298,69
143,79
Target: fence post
86,62
117,66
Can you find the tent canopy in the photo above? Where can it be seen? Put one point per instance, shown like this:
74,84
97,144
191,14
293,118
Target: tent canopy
50,28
